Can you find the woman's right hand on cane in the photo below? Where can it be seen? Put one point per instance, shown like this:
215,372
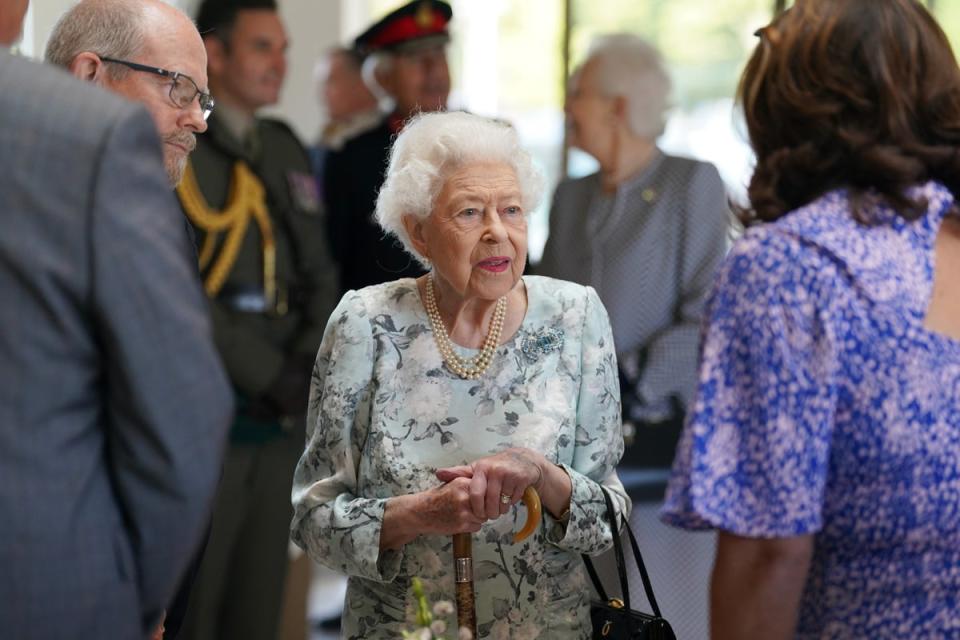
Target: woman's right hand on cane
447,509
444,510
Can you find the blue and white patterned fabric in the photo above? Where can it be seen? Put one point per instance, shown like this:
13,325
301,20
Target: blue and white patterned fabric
826,407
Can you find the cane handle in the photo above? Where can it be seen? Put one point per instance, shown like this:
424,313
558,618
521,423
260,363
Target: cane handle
532,501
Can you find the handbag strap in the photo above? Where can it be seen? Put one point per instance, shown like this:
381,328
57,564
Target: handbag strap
594,578
644,576
621,563
617,552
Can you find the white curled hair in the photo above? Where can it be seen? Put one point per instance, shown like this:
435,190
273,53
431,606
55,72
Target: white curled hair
430,148
629,66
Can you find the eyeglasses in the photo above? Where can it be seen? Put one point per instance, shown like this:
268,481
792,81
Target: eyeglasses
181,93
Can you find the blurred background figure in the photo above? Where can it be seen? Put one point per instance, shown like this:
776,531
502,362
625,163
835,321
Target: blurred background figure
348,105
249,192
410,65
647,231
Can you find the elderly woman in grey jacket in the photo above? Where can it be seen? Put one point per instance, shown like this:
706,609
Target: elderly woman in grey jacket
647,231
437,401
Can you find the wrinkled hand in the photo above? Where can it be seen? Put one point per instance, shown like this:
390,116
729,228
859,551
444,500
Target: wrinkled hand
447,509
508,473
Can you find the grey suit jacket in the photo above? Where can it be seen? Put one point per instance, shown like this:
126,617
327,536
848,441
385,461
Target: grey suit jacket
650,250
113,403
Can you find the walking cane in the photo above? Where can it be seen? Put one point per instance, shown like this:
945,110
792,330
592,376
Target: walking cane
463,561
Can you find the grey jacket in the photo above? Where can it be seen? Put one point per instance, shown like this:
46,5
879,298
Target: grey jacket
113,403
650,250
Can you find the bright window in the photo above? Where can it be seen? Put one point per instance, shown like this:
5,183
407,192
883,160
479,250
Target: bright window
506,60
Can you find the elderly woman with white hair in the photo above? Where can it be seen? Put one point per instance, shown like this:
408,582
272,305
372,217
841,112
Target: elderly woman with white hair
437,401
647,231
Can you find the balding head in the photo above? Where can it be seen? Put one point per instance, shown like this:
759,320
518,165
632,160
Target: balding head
111,28
94,35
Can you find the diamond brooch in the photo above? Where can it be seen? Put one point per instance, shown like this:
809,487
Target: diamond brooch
541,342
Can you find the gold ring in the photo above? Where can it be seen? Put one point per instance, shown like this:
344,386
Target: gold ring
505,499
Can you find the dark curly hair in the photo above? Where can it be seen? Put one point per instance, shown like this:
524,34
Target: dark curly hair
863,94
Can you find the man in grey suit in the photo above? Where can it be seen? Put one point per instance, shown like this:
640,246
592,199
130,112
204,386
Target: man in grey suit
150,52
113,403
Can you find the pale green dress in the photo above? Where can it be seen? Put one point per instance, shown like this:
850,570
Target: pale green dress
385,414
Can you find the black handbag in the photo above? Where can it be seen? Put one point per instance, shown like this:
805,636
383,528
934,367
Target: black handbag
612,618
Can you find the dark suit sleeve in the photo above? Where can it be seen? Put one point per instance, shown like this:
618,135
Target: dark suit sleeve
549,260
168,404
336,200
318,273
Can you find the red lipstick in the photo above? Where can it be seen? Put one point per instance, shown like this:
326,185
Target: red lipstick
496,264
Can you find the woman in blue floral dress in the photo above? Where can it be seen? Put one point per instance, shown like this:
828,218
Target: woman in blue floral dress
824,443
436,402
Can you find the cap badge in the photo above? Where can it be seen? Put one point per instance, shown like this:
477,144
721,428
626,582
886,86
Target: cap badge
424,15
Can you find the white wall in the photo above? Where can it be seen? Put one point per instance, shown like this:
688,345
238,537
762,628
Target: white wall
42,16
313,26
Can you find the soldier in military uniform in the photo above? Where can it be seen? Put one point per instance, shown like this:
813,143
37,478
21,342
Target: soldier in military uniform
250,196
411,66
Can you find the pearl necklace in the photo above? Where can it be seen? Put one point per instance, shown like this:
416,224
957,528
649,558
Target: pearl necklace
467,368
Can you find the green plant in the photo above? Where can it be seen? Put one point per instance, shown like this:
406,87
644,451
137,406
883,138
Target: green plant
432,621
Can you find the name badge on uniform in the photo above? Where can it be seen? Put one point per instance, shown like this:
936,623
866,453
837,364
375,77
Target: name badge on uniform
303,188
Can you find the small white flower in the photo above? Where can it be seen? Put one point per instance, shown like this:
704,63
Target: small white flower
443,608
464,634
423,634
527,631
438,627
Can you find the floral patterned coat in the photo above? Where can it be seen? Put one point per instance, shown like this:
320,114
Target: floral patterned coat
385,414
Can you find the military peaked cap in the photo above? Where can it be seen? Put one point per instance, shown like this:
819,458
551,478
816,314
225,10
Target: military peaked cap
415,25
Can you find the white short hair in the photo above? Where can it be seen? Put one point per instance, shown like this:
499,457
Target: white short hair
430,148
629,66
